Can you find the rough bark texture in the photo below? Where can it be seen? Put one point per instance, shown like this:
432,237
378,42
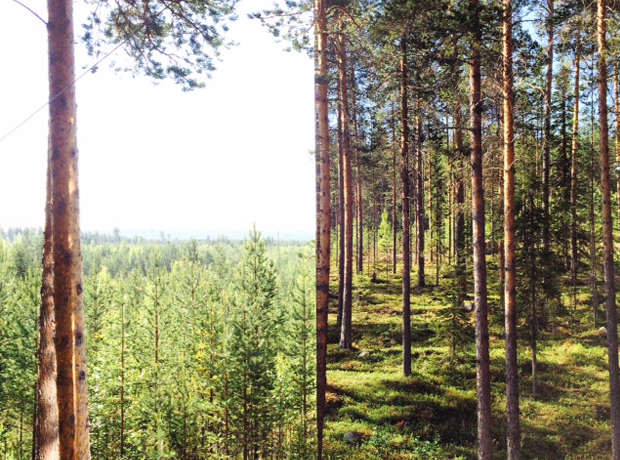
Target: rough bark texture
404,142
483,375
610,289
347,298
46,416
617,138
322,213
510,293
69,311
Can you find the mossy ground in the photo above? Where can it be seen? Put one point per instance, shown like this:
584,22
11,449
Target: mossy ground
432,413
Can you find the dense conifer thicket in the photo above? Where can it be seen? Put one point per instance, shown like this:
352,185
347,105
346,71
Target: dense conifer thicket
195,350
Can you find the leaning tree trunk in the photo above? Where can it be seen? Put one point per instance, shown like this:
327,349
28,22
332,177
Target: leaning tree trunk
321,80
46,415
610,289
347,298
406,199
510,293
483,372
69,311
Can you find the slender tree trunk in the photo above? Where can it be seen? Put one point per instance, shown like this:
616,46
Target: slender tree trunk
346,332
610,289
573,174
404,142
459,198
394,193
321,81
420,214
547,140
68,307
510,294
340,214
46,414
358,183
483,373
617,136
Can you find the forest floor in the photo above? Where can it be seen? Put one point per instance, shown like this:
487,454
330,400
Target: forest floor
432,414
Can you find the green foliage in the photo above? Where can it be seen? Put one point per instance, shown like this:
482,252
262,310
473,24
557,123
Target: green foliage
168,348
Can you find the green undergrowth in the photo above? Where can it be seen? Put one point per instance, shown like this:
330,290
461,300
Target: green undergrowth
432,413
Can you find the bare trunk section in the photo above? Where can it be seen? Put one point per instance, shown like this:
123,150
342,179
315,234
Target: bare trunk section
459,199
69,312
46,415
573,176
346,332
394,193
321,80
617,137
547,143
420,215
404,139
510,294
610,289
483,373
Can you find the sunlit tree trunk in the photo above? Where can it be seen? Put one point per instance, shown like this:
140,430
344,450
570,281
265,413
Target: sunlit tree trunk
69,312
483,375
610,289
346,332
394,193
46,415
321,80
404,142
510,293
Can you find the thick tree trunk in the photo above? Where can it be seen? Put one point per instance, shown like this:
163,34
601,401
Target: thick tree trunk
46,415
321,80
573,176
547,140
483,373
404,142
346,332
610,289
420,214
69,312
510,294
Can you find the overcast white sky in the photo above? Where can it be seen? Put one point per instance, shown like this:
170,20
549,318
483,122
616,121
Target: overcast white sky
153,157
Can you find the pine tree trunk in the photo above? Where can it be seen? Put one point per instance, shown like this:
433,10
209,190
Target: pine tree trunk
510,294
459,199
610,289
46,415
394,193
483,375
547,143
573,174
404,142
340,214
617,137
346,331
68,307
420,214
323,225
